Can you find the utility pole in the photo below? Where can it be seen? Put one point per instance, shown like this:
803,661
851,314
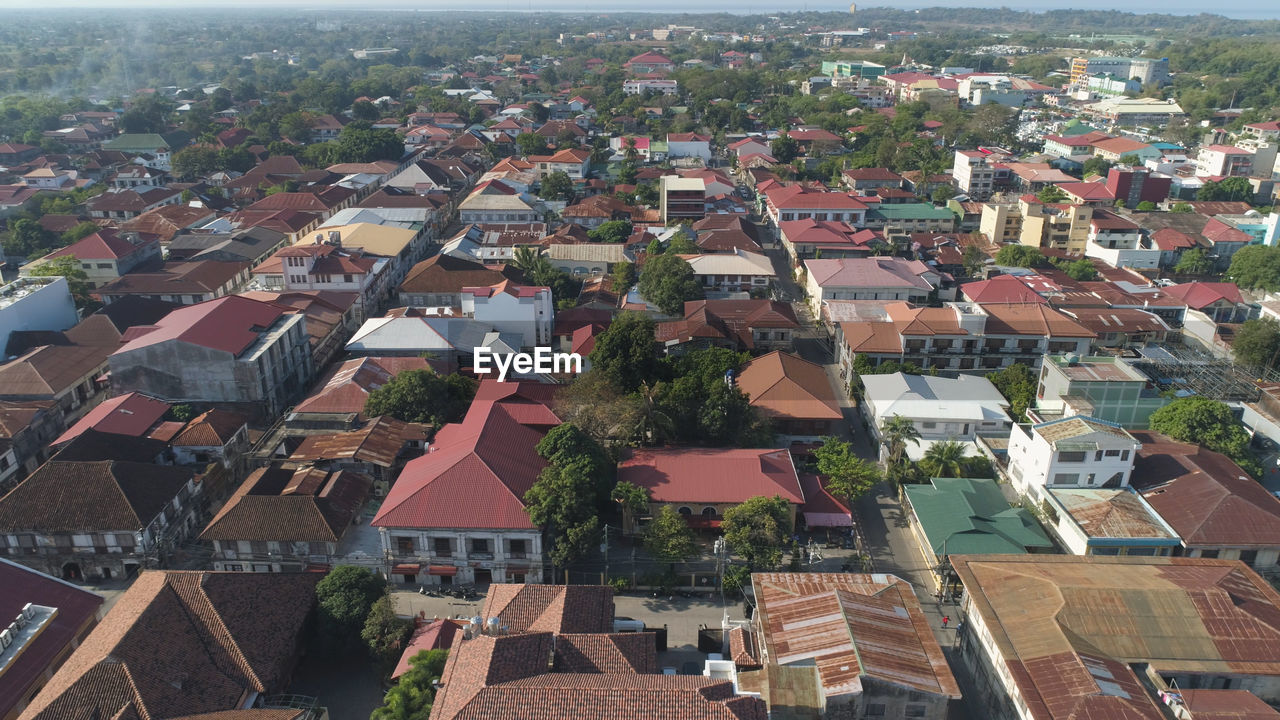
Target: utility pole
605,548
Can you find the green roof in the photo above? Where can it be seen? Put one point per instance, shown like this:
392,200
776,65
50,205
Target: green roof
138,143
968,516
912,211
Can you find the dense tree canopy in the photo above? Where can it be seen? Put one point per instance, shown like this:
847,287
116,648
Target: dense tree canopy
423,396
1019,256
1256,267
668,281
1206,422
625,352
758,530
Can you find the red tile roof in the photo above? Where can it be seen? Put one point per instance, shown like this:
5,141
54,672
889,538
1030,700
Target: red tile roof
434,635
106,244
712,475
1202,294
131,414
550,608
347,387
230,324
783,385
1001,289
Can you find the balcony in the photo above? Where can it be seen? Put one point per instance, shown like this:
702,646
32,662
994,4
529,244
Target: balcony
479,555
517,554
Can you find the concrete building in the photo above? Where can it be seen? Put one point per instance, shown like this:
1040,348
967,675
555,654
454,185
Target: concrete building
1120,242
105,255
1224,161
524,311
1145,71
973,175
36,303
231,350
1105,647
1070,452
941,409
681,198
1102,387
877,278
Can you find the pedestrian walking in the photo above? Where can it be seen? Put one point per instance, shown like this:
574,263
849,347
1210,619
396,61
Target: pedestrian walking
945,619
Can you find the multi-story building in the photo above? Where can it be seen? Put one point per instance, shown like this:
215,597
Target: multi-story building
525,311
231,350
105,255
961,336
1102,387
1058,226
1120,242
34,304
1136,185
877,278
797,202
1146,71
1072,452
973,175
681,198
940,408
328,266
1001,223
1224,160
738,271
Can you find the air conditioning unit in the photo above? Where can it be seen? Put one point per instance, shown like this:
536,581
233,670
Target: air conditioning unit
29,610
20,621
6,639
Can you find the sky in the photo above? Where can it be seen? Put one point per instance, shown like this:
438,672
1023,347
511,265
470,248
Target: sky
1250,9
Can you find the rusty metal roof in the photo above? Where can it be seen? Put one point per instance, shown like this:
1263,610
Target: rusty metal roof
849,626
378,442
1068,627
1103,513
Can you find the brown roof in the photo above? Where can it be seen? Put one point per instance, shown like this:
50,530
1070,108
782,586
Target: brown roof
726,319
1069,627
347,387
551,608
601,653
64,496
1227,705
497,677
1032,319
1105,513
48,370
378,442
849,626
179,644
176,278
1204,496
283,505
449,274
213,428
788,386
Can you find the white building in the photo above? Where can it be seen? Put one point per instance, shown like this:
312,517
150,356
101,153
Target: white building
496,208
689,145
1220,160
642,86
522,310
1074,452
1120,242
740,271
940,408
36,303
973,175
875,278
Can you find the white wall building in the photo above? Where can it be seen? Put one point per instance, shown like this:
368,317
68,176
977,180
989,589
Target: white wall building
523,310
973,175
1074,452
940,408
36,303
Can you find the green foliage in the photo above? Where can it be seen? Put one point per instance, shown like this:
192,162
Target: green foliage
668,281
625,352
181,412
566,499
26,238
624,276
669,537
531,144
384,633
896,433
1096,166
1018,384
414,691
1257,342
630,497
344,598
1019,256
359,143
557,186
1080,269
848,476
758,530
1146,206
1256,267
423,396
1209,423
1181,207
942,194
974,260
784,148
681,244
1051,194
943,459
1194,262
701,407
68,267
613,231
1232,188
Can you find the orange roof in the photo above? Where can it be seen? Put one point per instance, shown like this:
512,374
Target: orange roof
788,386
1032,319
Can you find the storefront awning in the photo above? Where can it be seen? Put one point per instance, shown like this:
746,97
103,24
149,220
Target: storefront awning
448,570
407,569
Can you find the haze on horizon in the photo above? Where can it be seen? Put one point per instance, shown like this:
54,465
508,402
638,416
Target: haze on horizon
1243,9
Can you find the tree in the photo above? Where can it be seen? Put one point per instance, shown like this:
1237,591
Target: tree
423,396
344,598
365,110
358,143
1096,166
1182,207
631,498
195,161
1018,385
669,537
1232,188
625,352
654,426
531,144
414,691
383,632
848,476
1019,256
557,186
974,260
896,433
784,148
624,276
565,500
1206,422
1051,194
26,237
943,459
1256,267
942,194
758,529
1256,342
1080,269
613,231
296,126
668,281
681,243
68,267
1194,262
1145,206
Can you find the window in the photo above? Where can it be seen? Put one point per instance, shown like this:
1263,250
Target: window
442,547
479,545
404,545
914,710
929,425
1071,456
685,511
1105,551
104,266
1248,557
1124,454
516,549
1208,553
875,710
1112,453
1066,478
1143,551
347,278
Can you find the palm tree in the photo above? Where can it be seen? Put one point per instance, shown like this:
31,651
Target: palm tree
525,259
654,424
897,432
944,459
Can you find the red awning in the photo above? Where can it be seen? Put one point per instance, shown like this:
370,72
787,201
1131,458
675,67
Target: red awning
442,570
698,522
407,569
